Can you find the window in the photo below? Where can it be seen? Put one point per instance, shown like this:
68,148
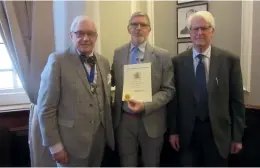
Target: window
11,90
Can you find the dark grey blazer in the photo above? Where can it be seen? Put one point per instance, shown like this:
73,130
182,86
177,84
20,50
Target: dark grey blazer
154,117
226,102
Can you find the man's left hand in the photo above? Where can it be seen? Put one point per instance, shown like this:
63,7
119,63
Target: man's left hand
135,106
236,147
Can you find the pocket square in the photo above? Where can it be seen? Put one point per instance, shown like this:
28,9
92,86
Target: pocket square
109,78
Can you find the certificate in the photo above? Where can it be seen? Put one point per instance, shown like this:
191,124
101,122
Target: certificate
137,82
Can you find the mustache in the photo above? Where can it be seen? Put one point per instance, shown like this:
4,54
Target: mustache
85,43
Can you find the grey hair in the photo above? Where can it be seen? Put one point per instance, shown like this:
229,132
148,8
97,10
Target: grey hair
207,16
139,14
77,20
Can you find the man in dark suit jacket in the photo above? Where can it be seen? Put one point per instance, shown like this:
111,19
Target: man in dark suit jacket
207,113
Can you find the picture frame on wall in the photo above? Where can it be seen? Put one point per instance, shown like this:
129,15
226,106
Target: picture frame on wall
183,46
180,2
185,1
183,14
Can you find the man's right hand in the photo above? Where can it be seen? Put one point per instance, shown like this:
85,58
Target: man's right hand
175,142
60,157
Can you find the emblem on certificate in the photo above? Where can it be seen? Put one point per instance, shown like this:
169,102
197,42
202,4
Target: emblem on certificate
127,97
137,75
137,82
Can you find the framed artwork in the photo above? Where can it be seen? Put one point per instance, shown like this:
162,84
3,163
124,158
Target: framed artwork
183,46
183,14
185,1
179,2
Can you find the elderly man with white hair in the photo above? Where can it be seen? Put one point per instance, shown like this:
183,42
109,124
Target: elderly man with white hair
74,109
208,114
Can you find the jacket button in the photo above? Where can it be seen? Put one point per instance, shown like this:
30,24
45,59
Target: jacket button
91,105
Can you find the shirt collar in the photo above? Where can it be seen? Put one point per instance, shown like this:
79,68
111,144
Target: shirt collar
206,52
141,47
90,55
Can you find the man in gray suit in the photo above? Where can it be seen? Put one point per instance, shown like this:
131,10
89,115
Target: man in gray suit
208,115
74,100
139,123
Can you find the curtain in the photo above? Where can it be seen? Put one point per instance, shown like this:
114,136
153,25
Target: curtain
16,32
27,31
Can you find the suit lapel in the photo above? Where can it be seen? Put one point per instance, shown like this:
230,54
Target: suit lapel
123,60
103,74
189,66
75,60
149,57
125,55
214,66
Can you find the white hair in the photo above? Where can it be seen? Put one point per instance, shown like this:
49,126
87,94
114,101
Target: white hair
207,16
77,20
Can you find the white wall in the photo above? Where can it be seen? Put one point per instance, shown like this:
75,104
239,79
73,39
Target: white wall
111,18
114,18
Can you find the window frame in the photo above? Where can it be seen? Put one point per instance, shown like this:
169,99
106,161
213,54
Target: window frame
12,96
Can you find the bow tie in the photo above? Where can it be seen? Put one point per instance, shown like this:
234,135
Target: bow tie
91,60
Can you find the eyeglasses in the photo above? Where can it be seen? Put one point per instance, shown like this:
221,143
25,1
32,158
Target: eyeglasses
203,29
82,34
142,25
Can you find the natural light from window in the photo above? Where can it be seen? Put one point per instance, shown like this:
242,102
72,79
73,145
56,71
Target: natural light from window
11,89
9,78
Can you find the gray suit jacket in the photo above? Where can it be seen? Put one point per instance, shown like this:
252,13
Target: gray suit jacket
39,154
162,87
225,97
66,106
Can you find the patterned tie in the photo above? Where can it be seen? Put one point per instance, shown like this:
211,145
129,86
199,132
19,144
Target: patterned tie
90,60
201,88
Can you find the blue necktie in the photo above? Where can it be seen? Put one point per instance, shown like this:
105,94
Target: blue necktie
133,55
201,88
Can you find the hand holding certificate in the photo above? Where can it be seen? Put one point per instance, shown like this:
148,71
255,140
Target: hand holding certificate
137,82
